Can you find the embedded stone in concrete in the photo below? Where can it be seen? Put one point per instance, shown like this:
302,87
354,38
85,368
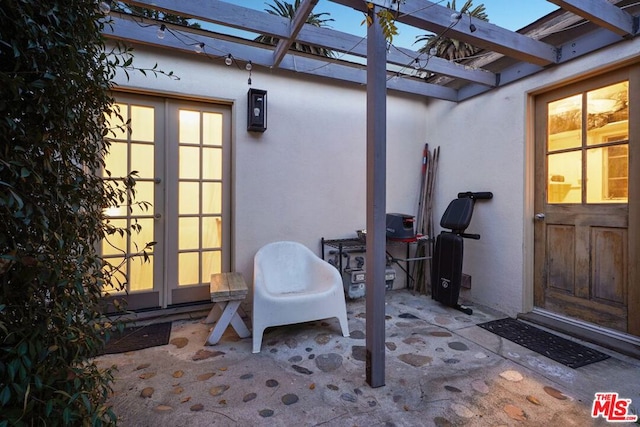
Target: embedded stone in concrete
163,408
555,393
147,375
206,354
143,366
442,422
147,392
514,412
218,390
413,340
177,374
534,400
359,352
443,320
451,361
452,389
291,342
440,334
249,397
246,376
333,387
308,349
289,399
301,370
459,346
265,413
357,335
416,360
179,342
348,397
391,346
197,407
311,356
514,376
272,383
177,390
328,362
480,386
480,355
462,411
205,376
408,316
295,359
322,339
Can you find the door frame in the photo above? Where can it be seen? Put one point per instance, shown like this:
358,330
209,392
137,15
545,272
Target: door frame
533,204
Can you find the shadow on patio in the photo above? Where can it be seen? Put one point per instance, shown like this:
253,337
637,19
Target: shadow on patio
441,369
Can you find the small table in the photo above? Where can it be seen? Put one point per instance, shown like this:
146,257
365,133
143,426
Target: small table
227,292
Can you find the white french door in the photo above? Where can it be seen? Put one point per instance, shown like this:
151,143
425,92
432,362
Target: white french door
180,151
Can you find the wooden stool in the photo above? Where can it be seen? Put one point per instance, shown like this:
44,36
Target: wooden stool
227,292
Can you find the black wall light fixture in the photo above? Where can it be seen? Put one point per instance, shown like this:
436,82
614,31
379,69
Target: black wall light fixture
257,110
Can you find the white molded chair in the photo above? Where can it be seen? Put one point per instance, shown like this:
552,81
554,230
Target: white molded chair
291,284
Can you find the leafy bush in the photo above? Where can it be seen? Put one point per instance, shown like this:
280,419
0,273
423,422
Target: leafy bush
55,77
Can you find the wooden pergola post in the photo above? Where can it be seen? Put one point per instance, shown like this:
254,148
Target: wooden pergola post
376,200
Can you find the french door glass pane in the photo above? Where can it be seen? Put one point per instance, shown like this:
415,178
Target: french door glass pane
142,124
142,160
212,163
211,232
608,114
189,132
212,198
607,174
211,264
188,233
189,268
212,129
116,161
565,123
141,274
189,198
189,158
564,183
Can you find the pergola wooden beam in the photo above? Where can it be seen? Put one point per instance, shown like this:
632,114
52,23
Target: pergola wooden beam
127,29
298,21
437,19
603,14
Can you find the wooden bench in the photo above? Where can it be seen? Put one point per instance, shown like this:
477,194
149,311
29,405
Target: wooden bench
228,290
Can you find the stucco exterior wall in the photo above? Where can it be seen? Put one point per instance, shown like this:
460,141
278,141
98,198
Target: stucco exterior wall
305,177
487,145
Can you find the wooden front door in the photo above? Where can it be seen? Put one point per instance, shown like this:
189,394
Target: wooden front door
586,238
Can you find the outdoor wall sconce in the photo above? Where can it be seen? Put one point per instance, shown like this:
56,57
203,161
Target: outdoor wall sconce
257,110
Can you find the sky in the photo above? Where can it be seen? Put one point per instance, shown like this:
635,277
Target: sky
509,14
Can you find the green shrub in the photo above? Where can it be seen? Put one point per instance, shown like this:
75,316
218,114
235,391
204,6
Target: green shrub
55,77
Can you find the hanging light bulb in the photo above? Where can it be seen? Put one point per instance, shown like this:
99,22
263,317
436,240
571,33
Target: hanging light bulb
249,66
228,60
104,7
199,47
416,64
455,17
161,31
472,28
433,51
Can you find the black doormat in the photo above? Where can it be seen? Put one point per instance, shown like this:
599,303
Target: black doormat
138,337
561,350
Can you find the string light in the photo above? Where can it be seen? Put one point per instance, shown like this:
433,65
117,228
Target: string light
104,7
199,48
416,64
161,31
249,66
455,17
228,60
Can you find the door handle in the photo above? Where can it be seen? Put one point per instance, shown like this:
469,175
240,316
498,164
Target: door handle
539,216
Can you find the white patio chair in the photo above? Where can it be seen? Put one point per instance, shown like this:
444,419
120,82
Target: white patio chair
293,285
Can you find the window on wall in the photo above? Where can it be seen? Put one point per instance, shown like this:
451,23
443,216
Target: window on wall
588,146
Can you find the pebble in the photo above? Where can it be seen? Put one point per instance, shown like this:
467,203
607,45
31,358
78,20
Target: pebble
322,339
205,376
218,390
514,412
295,359
177,374
462,411
143,366
272,383
413,340
480,386
357,335
459,346
265,413
246,376
442,422
451,361
533,400
163,408
359,352
333,387
147,392
408,316
348,397
452,389
416,360
301,370
391,346
555,393
249,397
289,399
206,354
514,376
179,342
328,362
440,334
197,407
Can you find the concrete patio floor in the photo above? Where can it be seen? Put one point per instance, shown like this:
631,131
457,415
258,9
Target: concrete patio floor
441,370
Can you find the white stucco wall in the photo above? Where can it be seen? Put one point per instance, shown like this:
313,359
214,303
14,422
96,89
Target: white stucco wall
486,145
305,177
